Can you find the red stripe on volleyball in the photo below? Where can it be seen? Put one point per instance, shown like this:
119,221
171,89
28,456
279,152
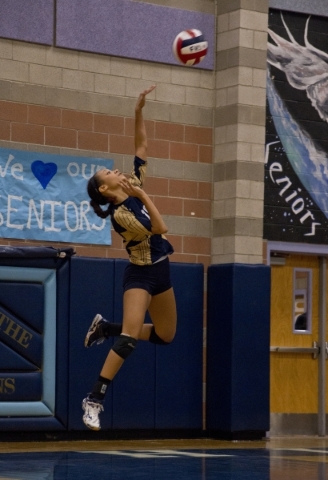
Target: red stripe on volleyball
191,33
178,50
197,56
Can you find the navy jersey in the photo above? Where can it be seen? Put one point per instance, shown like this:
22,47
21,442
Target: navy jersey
131,220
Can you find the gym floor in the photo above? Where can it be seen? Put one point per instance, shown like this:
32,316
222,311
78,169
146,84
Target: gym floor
278,458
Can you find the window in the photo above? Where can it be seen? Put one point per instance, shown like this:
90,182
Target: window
302,294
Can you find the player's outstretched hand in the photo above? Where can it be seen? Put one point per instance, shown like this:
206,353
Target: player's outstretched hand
142,97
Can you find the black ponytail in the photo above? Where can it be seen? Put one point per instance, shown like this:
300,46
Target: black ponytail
97,198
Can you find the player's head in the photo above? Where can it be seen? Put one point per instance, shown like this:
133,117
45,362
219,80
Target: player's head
95,192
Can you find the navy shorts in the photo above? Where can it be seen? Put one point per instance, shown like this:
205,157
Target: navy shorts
153,278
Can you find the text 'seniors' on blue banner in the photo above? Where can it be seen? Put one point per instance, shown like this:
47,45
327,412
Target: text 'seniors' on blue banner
44,197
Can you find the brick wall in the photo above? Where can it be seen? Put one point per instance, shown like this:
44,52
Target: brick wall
47,127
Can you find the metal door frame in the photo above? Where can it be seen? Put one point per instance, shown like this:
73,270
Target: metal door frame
320,251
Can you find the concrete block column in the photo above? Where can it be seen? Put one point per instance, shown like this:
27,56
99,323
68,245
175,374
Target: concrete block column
239,123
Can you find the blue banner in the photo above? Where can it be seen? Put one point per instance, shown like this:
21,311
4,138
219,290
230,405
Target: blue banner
44,197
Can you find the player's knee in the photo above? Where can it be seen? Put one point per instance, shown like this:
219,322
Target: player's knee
124,346
165,338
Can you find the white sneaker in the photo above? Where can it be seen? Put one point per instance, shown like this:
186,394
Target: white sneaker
91,413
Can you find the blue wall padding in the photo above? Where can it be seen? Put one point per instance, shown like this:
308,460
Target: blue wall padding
114,28
27,21
29,386
12,361
158,387
16,387
238,346
17,334
38,424
179,365
15,296
62,342
91,292
134,386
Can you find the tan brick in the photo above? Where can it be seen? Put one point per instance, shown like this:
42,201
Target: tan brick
109,84
197,171
207,79
251,133
200,97
243,188
12,70
183,76
248,245
93,141
249,208
21,132
252,96
169,93
6,48
78,80
261,40
259,78
246,38
227,78
44,75
257,190
62,98
228,40
44,115
135,86
254,20
90,62
61,137
223,22
29,52
73,119
124,67
155,72
58,57
25,93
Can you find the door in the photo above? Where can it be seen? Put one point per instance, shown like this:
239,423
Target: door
294,386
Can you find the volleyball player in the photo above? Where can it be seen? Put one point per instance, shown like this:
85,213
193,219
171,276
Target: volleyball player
146,283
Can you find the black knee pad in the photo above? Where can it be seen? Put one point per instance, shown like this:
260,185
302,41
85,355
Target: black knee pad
124,346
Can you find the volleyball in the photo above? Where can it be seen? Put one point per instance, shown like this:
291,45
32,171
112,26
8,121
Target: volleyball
189,47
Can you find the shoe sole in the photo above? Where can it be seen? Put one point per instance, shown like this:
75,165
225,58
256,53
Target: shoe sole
91,330
92,428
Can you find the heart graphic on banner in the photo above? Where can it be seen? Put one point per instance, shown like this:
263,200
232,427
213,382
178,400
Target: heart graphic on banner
44,172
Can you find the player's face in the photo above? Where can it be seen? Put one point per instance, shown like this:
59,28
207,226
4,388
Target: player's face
109,178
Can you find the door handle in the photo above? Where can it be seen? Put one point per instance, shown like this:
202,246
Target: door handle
315,350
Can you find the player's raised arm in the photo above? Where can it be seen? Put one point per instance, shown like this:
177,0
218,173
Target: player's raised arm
140,136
